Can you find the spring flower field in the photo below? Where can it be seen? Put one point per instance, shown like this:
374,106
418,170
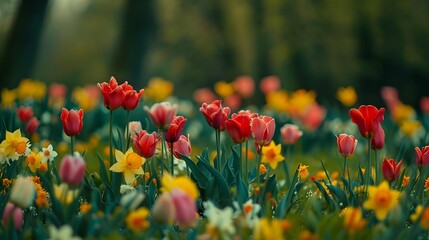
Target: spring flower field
113,161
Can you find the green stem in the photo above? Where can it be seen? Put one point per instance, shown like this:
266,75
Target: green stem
127,131
258,173
162,152
172,158
376,166
114,177
368,169
346,171
240,168
218,150
246,163
267,175
111,138
71,145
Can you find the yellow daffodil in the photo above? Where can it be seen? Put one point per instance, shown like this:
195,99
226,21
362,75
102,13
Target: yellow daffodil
271,154
402,112
34,161
347,96
31,89
268,229
381,199
300,100
278,100
224,89
129,164
85,98
15,145
353,219
182,182
137,220
8,98
303,172
423,213
409,127
158,89
64,194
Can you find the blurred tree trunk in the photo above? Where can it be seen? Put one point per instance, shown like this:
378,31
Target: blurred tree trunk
20,49
137,30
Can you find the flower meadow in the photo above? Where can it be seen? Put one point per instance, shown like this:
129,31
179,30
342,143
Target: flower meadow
110,161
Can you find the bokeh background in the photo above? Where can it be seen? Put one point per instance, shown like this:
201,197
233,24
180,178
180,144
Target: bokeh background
315,45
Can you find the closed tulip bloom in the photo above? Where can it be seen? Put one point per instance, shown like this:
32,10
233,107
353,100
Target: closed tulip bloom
24,113
422,156
391,169
131,98
72,170
346,144
290,133
175,130
14,215
182,147
135,127
145,143
113,94
23,192
162,114
72,121
32,125
239,127
185,208
163,210
367,118
377,142
263,129
215,114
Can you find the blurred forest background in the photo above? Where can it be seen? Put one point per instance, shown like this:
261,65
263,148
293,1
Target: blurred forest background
318,45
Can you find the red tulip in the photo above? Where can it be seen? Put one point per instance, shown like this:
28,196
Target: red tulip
249,113
346,144
422,156
175,130
313,117
215,114
72,170
245,86
57,91
263,129
269,84
24,113
162,114
32,125
391,169
290,133
181,147
145,143
113,94
131,98
367,118
72,121
377,142
239,127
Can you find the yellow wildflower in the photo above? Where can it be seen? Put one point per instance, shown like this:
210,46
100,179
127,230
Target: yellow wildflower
402,112
182,182
137,219
31,89
300,101
85,98
405,181
409,127
303,172
41,194
347,96
262,169
268,229
278,101
224,89
129,164
158,89
64,194
426,186
34,161
15,145
307,235
353,219
271,154
381,199
423,213
8,98
84,208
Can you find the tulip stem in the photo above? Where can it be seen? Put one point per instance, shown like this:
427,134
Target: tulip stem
246,164
127,131
172,158
376,166
162,152
71,145
258,172
111,138
217,135
240,168
346,171
368,169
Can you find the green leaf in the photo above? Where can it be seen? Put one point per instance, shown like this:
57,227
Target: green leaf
328,199
242,193
104,179
199,176
339,194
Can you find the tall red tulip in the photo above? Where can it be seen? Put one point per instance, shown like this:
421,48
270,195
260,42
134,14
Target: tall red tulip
131,98
24,113
391,170
181,147
263,129
346,144
290,133
32,125
215,114
72,121
175,130
145,143
162,114
422,156
238,127
113,94
367,118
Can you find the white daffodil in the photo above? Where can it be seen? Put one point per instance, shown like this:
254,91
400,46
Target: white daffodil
63,233
48,153
222,219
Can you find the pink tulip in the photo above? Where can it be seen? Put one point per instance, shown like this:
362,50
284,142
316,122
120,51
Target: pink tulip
72,170
72,121
161,114
313,117
181,147
145,143
215,114
185,208
290,133
346,144
14,215
245,86
269,84
204,95
391,170
263,129
422,156
57,91
163,210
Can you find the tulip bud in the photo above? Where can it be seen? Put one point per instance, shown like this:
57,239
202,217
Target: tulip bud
13,214
23,192
422,156
346,144
290,133
391,169
163,210
72,170
72,121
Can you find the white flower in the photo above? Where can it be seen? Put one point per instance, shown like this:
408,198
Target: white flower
249,210
132,200
125,189
181,164
23,192
63,233
16,155
222,219
48,153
